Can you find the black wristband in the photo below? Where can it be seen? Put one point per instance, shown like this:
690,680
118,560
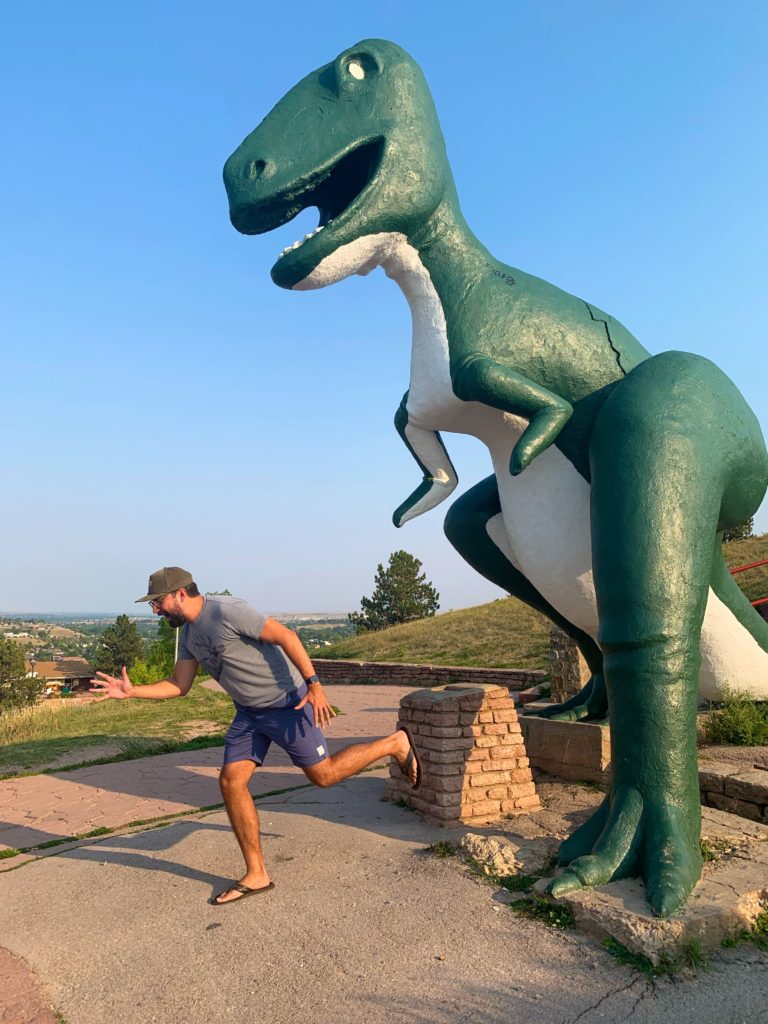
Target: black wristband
314,678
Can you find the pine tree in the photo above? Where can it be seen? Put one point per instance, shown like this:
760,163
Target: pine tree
740,532
119,645
17,690
400,595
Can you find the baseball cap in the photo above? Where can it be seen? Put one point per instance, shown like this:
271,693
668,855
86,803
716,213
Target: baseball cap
165,580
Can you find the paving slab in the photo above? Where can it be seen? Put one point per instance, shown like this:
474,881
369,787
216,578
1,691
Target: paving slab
40,808
21,999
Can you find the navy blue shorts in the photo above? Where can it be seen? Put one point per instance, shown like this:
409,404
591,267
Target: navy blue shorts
253,730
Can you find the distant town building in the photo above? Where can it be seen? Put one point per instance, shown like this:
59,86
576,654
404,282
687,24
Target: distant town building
64,675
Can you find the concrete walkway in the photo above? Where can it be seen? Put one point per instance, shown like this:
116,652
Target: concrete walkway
363,925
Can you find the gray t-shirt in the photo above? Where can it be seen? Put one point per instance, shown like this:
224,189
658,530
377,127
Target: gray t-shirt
224,638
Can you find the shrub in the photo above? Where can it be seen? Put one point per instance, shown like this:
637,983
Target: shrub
739,720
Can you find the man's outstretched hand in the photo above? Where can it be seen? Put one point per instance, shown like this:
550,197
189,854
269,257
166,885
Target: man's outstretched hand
321,707
112,686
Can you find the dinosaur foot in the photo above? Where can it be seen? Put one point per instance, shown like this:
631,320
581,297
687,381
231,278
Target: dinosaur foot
630,835
590,704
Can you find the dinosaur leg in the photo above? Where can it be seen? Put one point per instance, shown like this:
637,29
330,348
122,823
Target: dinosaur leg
675,456
469,526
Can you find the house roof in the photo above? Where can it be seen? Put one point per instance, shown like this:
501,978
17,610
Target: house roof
64,668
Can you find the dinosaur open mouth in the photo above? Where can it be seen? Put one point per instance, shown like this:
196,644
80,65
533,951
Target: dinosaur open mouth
346,180
332,190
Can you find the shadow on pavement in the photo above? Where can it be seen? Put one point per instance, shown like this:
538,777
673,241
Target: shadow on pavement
357,804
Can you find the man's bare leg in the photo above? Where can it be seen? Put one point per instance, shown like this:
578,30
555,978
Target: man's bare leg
358,756
233,781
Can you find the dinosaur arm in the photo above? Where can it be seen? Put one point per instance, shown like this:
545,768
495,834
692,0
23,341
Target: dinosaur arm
480,379
427,448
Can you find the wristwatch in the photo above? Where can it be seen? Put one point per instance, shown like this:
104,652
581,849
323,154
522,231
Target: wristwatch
314,678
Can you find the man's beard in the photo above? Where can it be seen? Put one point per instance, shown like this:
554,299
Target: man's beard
173,619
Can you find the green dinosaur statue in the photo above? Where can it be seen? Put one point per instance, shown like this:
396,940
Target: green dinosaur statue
614,471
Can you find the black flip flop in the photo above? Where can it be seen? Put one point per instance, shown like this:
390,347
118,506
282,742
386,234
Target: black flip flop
406,766
239,887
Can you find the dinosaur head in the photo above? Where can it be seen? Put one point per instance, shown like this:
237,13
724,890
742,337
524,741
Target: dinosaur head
358,139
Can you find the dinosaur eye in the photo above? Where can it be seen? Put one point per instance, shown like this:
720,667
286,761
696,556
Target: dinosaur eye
356,69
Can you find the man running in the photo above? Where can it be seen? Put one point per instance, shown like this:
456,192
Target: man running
264,668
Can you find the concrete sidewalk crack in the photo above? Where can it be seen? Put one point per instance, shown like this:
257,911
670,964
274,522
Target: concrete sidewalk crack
608,995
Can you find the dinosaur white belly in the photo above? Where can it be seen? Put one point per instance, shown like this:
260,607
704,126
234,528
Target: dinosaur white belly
544,526
546,518
545,522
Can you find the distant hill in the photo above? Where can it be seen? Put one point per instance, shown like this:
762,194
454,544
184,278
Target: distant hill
504,633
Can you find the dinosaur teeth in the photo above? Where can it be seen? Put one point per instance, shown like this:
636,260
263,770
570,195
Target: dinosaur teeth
295,245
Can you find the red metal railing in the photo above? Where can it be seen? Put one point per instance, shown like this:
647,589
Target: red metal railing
752,565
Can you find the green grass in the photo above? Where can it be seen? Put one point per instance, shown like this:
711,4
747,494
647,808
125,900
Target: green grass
442,848
516,883
690,956
757,934
694,956
502,634
32,739
714,849
539,908
738,720
638,962
754,582
759,931
402,804
129,752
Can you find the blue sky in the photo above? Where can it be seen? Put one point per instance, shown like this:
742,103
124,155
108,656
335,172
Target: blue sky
164,403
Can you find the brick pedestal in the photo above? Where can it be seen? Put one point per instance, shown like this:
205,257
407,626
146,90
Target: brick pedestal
473,762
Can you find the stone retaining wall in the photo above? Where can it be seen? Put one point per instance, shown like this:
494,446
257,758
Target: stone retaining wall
473,763
578,751
390,673
581,752
568,670
742,791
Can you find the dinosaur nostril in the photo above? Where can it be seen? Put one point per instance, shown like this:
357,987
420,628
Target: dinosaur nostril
255,169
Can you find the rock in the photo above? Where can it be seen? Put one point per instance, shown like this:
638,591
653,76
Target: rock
499,855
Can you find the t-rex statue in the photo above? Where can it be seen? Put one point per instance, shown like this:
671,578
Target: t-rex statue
614,471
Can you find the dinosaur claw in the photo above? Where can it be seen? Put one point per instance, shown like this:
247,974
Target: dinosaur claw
564,884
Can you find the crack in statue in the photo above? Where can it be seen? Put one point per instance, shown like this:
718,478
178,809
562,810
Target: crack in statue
615,471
